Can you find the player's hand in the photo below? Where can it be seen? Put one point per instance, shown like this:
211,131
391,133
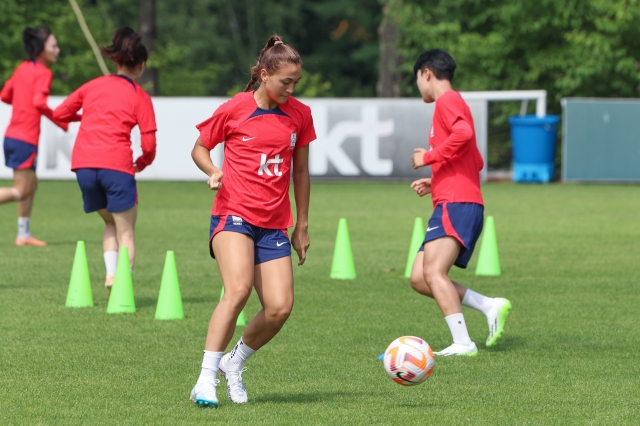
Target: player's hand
135,167
214,180
417,160
300,242
422,186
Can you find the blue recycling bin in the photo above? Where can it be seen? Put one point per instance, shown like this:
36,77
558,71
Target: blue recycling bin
534,147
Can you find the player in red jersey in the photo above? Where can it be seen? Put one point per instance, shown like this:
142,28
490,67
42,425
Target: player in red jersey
27,91
263,131
457,219
102,157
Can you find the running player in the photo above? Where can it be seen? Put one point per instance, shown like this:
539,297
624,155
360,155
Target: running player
457,219
27,90
102,157
263,131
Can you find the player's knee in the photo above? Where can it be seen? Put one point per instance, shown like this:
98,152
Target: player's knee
237,298
17,194
432,275
278,315
415,281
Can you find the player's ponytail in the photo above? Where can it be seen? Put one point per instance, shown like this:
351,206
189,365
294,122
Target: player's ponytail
126,48
272,57
34,39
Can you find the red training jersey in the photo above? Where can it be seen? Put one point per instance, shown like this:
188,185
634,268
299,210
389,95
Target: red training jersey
258,149
111,105
27,90
453,153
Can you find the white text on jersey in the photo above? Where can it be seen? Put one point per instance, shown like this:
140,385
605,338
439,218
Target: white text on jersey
264,165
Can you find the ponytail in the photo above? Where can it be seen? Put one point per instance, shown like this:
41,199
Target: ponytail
34,39
126,48
272,57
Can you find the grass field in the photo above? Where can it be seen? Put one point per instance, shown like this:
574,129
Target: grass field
569,258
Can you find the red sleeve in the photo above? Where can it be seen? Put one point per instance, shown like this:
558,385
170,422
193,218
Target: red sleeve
148,150
308,131
146,118
145,115
461,134
214,130
67,110
7,92
40,95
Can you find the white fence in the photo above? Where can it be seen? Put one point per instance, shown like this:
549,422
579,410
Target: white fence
357,138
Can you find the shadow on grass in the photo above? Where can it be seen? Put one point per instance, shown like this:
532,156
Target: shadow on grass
300,398
199,300
72,243
508,343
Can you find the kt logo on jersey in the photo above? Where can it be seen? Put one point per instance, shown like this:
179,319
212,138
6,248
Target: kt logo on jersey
264,165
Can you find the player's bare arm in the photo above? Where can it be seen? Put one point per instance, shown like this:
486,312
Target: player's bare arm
422,186
301,189
417,159
202,158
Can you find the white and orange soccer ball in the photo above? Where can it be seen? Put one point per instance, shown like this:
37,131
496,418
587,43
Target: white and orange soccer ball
409,360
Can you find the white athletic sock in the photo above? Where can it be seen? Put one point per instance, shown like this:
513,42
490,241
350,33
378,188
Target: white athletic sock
111,261
239,355
210,363
477,301
458,329
23,227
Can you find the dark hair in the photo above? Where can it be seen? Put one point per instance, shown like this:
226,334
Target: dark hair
34,39
272,56
126,48
438,62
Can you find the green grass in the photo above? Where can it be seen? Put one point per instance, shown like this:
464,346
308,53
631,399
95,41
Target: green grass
569,257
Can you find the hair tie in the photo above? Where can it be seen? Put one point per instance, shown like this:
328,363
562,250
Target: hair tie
278,42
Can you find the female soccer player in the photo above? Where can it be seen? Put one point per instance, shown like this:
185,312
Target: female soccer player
102,157
263,131
27,90
457,218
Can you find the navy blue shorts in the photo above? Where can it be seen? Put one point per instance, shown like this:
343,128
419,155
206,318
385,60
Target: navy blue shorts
268,244
107,189
462,221
19,155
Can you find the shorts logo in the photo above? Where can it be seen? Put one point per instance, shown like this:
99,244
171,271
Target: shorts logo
236,220
431,229
293,140
264,165
279,244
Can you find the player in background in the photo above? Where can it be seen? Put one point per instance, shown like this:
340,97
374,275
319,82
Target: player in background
263,131
457,218
102,157
27,91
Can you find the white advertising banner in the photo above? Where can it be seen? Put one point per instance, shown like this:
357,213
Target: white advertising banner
357,138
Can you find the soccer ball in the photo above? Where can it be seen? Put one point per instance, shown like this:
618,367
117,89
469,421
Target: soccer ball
409,360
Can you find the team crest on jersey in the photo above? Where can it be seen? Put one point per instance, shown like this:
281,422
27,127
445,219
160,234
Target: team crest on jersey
236,220
293,140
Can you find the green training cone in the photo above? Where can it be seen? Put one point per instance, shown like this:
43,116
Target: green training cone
488,260
416,241
342,267
121,300
240,321
79,294
169,300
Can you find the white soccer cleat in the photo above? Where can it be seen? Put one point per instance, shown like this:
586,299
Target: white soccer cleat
235,387
458,349
204,394
496,318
